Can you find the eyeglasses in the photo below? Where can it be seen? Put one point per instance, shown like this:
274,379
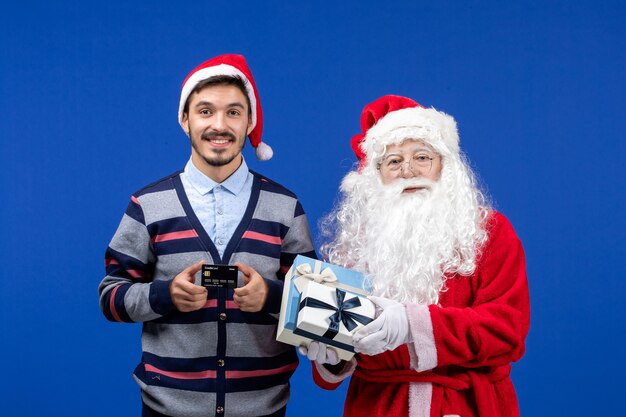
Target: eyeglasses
421,161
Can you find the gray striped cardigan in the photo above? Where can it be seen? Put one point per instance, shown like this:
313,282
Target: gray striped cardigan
217,360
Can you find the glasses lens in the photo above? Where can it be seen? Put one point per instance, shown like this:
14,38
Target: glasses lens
418,163
421,161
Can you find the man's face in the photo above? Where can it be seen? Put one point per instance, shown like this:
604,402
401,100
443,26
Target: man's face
410,159
217,123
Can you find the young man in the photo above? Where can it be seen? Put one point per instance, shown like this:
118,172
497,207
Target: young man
447,273
209,351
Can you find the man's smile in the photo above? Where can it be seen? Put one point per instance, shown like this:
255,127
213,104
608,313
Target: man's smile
221,139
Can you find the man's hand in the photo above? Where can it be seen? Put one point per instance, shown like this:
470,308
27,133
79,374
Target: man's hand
186,295
251,297
388,331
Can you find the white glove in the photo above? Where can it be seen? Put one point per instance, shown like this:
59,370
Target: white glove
388,331
320,353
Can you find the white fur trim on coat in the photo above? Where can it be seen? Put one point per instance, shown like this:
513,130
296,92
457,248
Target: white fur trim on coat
423,351
420,399
328,376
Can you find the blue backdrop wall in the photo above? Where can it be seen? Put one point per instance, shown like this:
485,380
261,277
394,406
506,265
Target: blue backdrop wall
88,99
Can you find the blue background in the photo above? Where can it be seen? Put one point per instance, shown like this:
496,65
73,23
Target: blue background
88,98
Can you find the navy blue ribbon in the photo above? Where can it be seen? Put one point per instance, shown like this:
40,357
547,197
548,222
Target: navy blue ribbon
341,315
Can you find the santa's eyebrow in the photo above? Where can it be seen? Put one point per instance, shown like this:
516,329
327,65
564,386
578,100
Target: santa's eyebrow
389,155
423,148
418,148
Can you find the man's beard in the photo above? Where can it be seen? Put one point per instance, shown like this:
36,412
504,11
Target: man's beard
407,244
220,157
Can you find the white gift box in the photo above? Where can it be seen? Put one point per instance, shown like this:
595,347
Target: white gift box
306,270
332,315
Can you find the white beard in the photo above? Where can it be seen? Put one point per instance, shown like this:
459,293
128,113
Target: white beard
407,244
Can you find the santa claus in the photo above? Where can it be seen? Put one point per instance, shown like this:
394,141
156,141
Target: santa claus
447,274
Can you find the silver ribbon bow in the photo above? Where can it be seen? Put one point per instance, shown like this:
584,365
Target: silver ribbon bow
304,273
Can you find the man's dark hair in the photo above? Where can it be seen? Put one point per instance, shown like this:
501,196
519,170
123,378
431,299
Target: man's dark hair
235,80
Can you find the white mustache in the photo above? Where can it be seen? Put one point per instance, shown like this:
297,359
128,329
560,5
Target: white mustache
401,184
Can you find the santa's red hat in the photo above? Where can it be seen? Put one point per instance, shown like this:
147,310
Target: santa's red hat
234,65
393,119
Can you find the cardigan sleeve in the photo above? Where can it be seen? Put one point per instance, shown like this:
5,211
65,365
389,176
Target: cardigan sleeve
489,332
297,241
128,292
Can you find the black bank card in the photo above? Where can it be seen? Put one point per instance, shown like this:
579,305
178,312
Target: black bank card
219,276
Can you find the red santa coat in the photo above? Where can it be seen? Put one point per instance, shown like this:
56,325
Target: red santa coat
459,361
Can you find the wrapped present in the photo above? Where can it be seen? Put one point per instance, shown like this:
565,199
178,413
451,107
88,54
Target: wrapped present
320,302
331,315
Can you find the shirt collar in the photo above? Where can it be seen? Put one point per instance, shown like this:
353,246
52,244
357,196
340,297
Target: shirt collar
204,184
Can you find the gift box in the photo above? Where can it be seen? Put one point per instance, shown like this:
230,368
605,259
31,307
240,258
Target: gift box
323,302
331,315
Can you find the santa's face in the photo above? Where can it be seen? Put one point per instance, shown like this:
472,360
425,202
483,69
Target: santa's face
408,222
409,159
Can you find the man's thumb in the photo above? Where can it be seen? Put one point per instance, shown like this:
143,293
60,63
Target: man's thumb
246,271
193,270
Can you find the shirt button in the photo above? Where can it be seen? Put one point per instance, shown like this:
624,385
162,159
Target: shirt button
220,410
219,211
220,362
222,316
219,241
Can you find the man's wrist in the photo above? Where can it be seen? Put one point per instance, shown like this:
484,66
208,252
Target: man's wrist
273,296
161,297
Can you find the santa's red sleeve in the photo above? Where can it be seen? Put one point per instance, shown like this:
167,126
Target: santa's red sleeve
489,332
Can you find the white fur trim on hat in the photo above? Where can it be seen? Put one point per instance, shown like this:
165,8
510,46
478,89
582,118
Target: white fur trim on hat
203,74
433,127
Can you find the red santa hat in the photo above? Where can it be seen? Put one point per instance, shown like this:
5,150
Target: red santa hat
393,119
234,65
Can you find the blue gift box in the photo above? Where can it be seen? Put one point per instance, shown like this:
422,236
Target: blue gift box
306,270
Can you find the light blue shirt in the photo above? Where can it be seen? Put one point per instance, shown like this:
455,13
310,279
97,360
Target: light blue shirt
219,207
